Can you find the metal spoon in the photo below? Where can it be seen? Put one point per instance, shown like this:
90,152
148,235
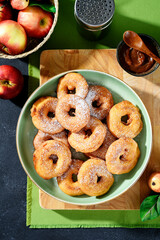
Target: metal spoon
133,40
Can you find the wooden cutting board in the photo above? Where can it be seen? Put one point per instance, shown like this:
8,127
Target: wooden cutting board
53,62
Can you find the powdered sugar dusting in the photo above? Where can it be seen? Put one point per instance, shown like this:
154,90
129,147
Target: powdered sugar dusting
87,134
82,143
88,177
40,116
72,81
82,112
102,98
102,150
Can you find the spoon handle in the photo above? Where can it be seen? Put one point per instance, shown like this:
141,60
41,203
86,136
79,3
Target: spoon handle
146,50
157,59
133,40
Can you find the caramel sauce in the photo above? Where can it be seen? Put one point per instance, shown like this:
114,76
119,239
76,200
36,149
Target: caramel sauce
137,61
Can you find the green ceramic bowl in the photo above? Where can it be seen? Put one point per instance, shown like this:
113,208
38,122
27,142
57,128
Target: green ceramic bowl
26,132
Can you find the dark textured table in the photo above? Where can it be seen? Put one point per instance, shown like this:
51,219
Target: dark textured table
13,184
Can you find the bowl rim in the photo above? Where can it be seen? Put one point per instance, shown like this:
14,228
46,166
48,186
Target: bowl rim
45,39
143,73
18,127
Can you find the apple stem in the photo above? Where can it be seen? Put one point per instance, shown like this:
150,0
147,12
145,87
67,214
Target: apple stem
6,83
42,22
4,48
2,7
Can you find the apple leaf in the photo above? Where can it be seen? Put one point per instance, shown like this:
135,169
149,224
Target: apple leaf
45,6
150,208
158,205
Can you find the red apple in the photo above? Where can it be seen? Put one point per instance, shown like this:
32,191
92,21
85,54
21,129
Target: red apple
36,21
11,82
5,11
19,4
13,39
154,182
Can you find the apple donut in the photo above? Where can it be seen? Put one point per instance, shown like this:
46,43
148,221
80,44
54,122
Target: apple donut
42,137
129,127
72,112
89,138
102,150
43,115
94,178
72,83
100,101
52,159
66,182
122,156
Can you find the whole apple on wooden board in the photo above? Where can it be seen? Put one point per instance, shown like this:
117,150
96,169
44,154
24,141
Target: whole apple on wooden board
36,21
19,4
11,82
13,38
154,182
5,11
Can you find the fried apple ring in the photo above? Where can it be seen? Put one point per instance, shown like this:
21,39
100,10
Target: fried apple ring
72,83
102,150
42,137
121,127
94,178
52,159
122,156
89,138
100,101
67,183
43,115
72,112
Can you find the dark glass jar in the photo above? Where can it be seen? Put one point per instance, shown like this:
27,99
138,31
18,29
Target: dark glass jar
93,17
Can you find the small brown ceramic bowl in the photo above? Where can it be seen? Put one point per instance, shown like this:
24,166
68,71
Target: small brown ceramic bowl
153,45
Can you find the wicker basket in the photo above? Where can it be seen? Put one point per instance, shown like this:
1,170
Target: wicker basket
34,44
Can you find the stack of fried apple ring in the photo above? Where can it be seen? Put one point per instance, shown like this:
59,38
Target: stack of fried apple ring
85,119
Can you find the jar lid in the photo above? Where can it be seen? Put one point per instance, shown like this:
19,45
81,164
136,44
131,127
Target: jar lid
94,14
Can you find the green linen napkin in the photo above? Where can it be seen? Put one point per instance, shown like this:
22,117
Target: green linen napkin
42,218
140,16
